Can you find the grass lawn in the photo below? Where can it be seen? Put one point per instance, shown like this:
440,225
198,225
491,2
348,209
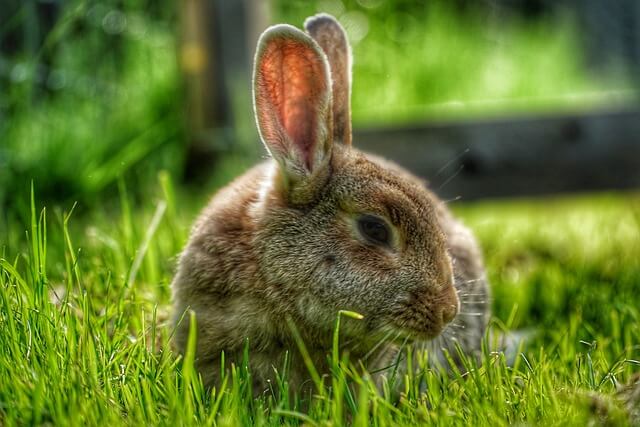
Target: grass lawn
84,289
85,339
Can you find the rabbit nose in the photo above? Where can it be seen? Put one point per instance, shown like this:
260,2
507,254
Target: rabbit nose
450,306
449,313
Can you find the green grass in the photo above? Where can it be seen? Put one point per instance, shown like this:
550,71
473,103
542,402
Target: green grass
84,289
86,339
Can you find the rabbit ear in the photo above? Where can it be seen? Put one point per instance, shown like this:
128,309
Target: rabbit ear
292,101
333,40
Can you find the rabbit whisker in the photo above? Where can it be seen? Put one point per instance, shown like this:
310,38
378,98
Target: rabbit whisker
446,165
454,325
455,199
464,282
448,180
382,341
466,294
469,302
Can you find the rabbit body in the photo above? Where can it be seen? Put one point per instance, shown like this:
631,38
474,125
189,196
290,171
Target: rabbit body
322,227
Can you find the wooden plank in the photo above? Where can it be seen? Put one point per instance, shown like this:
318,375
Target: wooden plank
517,157
216,50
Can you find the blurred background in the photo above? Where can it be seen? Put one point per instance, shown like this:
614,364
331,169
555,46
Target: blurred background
93,92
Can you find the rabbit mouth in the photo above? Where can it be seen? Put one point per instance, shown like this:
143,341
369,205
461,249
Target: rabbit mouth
412,334
406,334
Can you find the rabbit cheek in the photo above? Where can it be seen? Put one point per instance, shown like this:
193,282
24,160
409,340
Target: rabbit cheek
323,278
329,280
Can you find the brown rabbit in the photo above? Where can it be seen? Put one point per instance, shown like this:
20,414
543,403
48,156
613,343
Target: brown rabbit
322,227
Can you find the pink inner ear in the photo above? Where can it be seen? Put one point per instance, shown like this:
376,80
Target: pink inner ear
292,83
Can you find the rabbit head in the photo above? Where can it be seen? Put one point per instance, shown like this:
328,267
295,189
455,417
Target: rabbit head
337,229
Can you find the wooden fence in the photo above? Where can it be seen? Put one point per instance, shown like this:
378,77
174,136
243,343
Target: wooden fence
517,157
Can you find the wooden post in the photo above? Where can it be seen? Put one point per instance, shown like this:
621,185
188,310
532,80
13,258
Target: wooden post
218,40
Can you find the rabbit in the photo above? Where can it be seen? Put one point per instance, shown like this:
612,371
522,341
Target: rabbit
322,227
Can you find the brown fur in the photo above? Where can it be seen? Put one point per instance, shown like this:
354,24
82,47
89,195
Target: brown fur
281,244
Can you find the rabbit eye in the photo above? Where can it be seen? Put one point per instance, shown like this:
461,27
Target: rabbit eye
374,229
